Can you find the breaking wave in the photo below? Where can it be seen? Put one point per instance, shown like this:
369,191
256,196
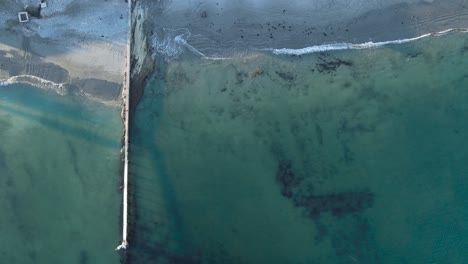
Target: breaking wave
36,81
172,42
366,45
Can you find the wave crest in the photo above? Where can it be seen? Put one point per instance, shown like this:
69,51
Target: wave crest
365,45
36,81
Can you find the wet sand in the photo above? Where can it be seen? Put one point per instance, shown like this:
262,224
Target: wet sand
225,27
80,44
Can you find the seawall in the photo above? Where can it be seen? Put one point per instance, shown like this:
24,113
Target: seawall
139,67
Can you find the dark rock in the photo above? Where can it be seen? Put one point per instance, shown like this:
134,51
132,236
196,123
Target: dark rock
204,14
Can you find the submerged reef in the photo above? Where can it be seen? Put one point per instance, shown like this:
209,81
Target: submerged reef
337,204
348,232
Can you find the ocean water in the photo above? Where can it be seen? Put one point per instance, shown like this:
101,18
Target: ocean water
59,178
353,156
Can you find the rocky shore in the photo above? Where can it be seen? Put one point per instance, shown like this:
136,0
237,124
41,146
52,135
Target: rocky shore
141,62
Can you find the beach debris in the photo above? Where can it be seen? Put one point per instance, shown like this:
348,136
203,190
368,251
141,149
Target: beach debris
204,14
23,17
43,3
256,73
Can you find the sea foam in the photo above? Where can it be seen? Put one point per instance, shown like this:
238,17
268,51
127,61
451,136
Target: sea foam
172,42
36,81
365,45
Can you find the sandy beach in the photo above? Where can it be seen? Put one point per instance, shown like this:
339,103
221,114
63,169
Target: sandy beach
81,47
82,43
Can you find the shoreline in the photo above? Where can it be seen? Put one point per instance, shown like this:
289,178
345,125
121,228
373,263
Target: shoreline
365,45
66,70
80,58
229,27
62,89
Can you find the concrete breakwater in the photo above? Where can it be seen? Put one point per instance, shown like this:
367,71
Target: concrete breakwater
139,66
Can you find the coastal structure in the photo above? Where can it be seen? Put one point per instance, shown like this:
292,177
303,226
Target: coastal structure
23,17
43,3
125,118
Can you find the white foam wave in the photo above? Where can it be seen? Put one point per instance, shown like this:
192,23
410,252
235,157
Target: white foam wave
366,45
5,83
36,81
172,42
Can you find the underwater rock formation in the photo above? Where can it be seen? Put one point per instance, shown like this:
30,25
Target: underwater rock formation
337,204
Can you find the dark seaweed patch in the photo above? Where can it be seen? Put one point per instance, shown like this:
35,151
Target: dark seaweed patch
464,49
414,54
348,155
319,133
287,178
329,66
285,75
83,258
239,78
347,84
338,204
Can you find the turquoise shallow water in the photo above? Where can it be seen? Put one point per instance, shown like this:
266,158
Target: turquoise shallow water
59,178
339,157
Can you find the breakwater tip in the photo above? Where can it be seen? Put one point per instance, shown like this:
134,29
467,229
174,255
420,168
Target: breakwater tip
124,245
